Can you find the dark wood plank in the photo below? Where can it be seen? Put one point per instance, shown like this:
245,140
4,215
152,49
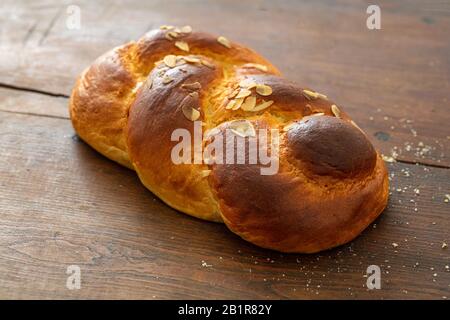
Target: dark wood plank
61,203
33,103
395,81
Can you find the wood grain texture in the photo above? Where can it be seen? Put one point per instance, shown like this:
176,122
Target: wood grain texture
61,203
33,103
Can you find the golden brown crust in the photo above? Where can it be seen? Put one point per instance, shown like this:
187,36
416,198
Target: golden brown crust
301,208
99,104
329,146
154,45
181,186
155,114
331,182
294,214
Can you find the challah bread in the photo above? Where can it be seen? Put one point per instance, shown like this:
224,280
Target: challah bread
330,183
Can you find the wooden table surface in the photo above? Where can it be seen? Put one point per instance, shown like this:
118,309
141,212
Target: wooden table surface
63,204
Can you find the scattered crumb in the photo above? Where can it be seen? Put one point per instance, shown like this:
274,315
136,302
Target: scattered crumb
205,265
395,245
388,158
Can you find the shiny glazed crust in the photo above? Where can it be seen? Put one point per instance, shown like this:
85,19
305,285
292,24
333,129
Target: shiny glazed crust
331,183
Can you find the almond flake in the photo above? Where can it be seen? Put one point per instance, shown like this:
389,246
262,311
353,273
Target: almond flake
336,111
224,41
317,114
180,60
262,106
186,29
171,35
170,60
208,64
242,128
165,27
238,133
249,103
244,93
182,45
310,95
238,103
230,104
247,83
205,173
191,59
320,95
263,90
234,93
190,113
167,79
258,66
354,123
192,86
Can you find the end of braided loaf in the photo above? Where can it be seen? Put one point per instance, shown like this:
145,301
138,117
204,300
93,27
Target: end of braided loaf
331,182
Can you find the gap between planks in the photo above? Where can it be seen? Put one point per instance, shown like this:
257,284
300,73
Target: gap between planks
25,89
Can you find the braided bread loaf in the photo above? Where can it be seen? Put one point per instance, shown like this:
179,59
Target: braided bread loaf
330,184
